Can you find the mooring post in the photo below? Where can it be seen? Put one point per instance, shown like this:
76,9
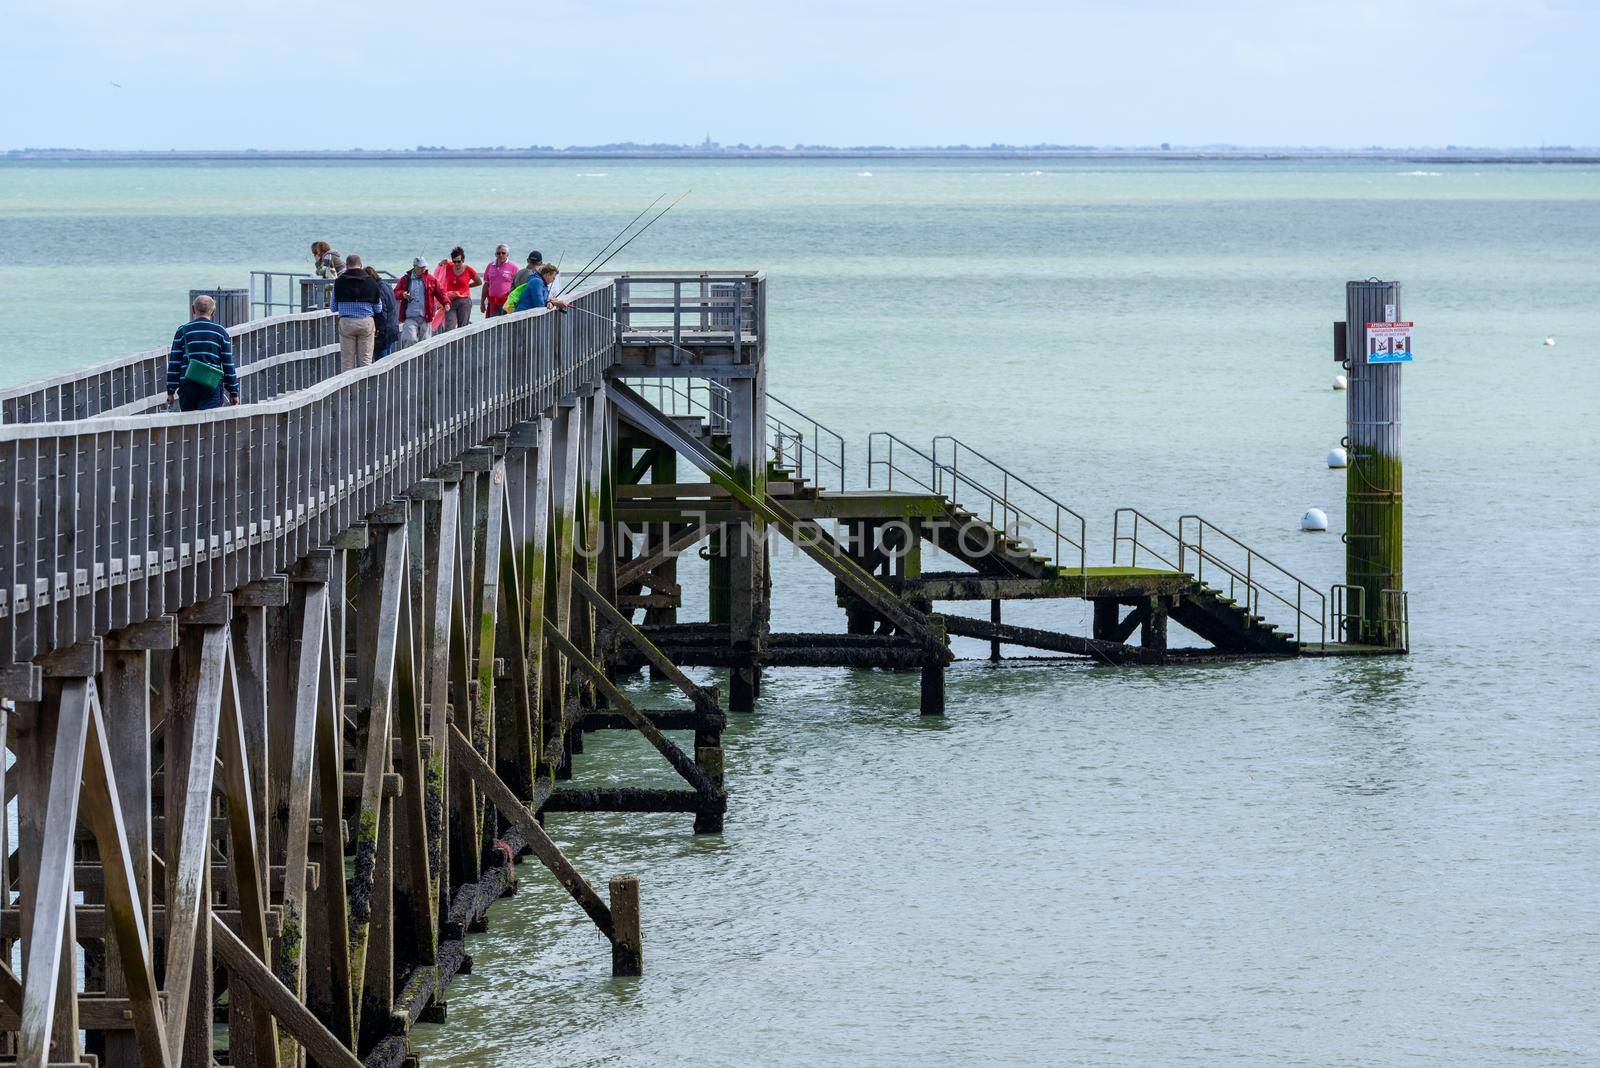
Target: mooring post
933,683
709,758
1373,514
933,688
627,947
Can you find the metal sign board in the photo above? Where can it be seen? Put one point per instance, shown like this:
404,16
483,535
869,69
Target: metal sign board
1389,342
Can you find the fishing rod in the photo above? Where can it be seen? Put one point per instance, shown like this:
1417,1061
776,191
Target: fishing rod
614,240
584,276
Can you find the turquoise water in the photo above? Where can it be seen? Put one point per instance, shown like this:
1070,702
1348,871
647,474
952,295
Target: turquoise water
1311,862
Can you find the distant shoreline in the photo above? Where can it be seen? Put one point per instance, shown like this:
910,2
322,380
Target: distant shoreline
1421,156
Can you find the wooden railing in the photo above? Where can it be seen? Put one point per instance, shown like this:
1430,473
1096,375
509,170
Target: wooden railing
115,520
673,305
135,384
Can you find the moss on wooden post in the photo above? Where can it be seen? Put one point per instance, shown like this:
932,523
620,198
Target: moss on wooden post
1373,501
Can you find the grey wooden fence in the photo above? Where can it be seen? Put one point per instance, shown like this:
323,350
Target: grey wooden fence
133,384
123,518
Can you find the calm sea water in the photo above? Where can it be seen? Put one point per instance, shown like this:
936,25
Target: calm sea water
1321,862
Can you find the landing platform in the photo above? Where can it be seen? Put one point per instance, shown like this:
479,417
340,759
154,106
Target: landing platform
1095,582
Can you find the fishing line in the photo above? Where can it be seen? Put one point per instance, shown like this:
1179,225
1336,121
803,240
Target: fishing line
584,276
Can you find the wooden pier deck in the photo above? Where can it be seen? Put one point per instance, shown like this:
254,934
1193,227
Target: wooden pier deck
292,687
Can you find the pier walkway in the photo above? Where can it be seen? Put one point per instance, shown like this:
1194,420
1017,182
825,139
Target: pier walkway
292,687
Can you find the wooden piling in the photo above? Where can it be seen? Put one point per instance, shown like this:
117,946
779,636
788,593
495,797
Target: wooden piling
627,947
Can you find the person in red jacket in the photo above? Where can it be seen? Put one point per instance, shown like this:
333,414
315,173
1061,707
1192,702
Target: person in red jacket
420,297
460,279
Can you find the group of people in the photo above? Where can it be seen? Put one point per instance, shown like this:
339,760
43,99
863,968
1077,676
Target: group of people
374,317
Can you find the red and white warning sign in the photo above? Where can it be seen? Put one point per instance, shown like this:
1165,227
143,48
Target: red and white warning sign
1389,342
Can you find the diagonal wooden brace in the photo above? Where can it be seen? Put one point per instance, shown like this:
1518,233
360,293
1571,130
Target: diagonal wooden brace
635,570
296,1019
704,700
467,758
680,761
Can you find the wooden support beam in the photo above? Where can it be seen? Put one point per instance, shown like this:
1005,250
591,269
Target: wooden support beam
634,570
515,751
667,719
306,654
1033,638
328,986
1121,632
680,761
704,700
48,809
535,559
414,894
193,720
297,1020
632,799
234,742
375,714
125,704
126,891
512,808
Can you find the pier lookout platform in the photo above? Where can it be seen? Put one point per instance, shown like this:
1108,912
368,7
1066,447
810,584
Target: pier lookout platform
293,688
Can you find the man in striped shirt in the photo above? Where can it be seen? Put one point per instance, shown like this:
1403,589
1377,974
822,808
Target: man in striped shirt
201,339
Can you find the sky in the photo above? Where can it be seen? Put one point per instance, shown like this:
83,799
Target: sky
159,74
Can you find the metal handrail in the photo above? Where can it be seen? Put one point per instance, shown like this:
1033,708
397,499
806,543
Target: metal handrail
817,432
783,439
1135,544
1340,616
264,302
882,440
1254,588
1005,501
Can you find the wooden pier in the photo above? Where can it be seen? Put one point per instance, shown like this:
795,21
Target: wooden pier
293,687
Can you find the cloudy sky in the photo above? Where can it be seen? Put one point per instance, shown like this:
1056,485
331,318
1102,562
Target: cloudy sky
156,74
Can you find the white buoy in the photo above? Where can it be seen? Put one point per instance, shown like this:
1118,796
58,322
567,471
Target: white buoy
1550,341
1340,382
1338,458
1315,519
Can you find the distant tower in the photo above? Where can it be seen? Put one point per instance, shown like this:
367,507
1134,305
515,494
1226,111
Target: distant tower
707,144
